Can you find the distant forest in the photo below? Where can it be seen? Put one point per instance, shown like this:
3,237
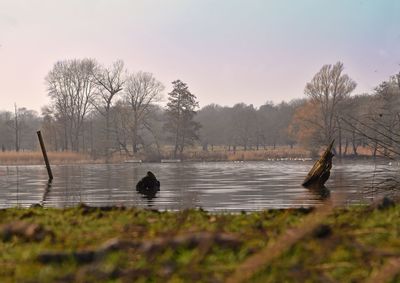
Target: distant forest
101,110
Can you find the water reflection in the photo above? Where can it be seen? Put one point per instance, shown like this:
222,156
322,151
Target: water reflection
46,191
320,193
213,186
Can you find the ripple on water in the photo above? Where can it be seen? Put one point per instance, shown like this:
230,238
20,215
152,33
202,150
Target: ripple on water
215,186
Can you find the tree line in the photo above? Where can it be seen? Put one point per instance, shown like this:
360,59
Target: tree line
102,110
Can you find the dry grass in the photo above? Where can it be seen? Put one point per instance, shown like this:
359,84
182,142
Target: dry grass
36,158
191,154
220,154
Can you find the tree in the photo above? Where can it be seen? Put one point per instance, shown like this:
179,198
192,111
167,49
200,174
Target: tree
285,115
328,88
28,123
380,124
306,124
181,110
243,124
50,128
211,118
142,90
388,111
273,123
109,82
71,87
121,116
7,130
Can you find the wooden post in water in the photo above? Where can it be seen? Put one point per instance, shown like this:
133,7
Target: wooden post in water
46,159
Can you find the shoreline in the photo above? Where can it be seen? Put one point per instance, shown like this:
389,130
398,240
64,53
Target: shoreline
71,158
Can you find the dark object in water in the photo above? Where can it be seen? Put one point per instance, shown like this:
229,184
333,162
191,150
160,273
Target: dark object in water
149,185
321,170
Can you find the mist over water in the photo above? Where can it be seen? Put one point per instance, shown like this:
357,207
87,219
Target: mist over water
213,186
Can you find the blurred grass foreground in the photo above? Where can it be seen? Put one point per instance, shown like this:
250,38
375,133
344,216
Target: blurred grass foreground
111,244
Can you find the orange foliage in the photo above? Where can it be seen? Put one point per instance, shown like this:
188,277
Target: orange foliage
305,126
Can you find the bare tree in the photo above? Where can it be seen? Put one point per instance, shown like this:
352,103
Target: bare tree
243,124
380,125
121,116
7,130
109,81
328,88
50,128
211,117
71,88
142,89
28,123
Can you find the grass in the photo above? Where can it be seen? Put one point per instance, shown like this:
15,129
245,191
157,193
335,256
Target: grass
352,244
55,157
269,153
191,154
36,157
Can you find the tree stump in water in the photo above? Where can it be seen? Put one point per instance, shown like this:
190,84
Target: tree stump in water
321,170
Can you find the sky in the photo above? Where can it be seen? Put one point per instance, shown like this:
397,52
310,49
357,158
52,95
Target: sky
226,51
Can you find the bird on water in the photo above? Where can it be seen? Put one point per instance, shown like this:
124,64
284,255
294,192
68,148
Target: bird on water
148,185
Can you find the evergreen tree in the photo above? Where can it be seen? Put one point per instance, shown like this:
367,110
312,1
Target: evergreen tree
180,111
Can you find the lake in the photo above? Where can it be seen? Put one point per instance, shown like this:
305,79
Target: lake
213,186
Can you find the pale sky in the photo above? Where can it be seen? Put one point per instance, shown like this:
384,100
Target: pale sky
226,51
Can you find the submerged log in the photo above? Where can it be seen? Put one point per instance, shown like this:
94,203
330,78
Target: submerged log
321,170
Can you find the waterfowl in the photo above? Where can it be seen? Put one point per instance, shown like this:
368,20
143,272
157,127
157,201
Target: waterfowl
148,185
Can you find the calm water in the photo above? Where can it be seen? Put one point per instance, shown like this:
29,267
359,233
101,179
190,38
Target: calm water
214,186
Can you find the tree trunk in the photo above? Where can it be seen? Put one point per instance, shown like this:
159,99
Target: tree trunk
65,146
107,149
340,138
91,137
354,143
375,149
346,145
135,134
182,146
176,141
134,141
16,129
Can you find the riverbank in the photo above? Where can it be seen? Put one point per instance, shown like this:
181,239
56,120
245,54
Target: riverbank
86,244
191,155
36,158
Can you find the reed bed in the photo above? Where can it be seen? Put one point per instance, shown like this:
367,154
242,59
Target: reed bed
269,153
36,158
190,154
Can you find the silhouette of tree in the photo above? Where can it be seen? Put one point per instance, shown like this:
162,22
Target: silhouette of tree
180,113
327,90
